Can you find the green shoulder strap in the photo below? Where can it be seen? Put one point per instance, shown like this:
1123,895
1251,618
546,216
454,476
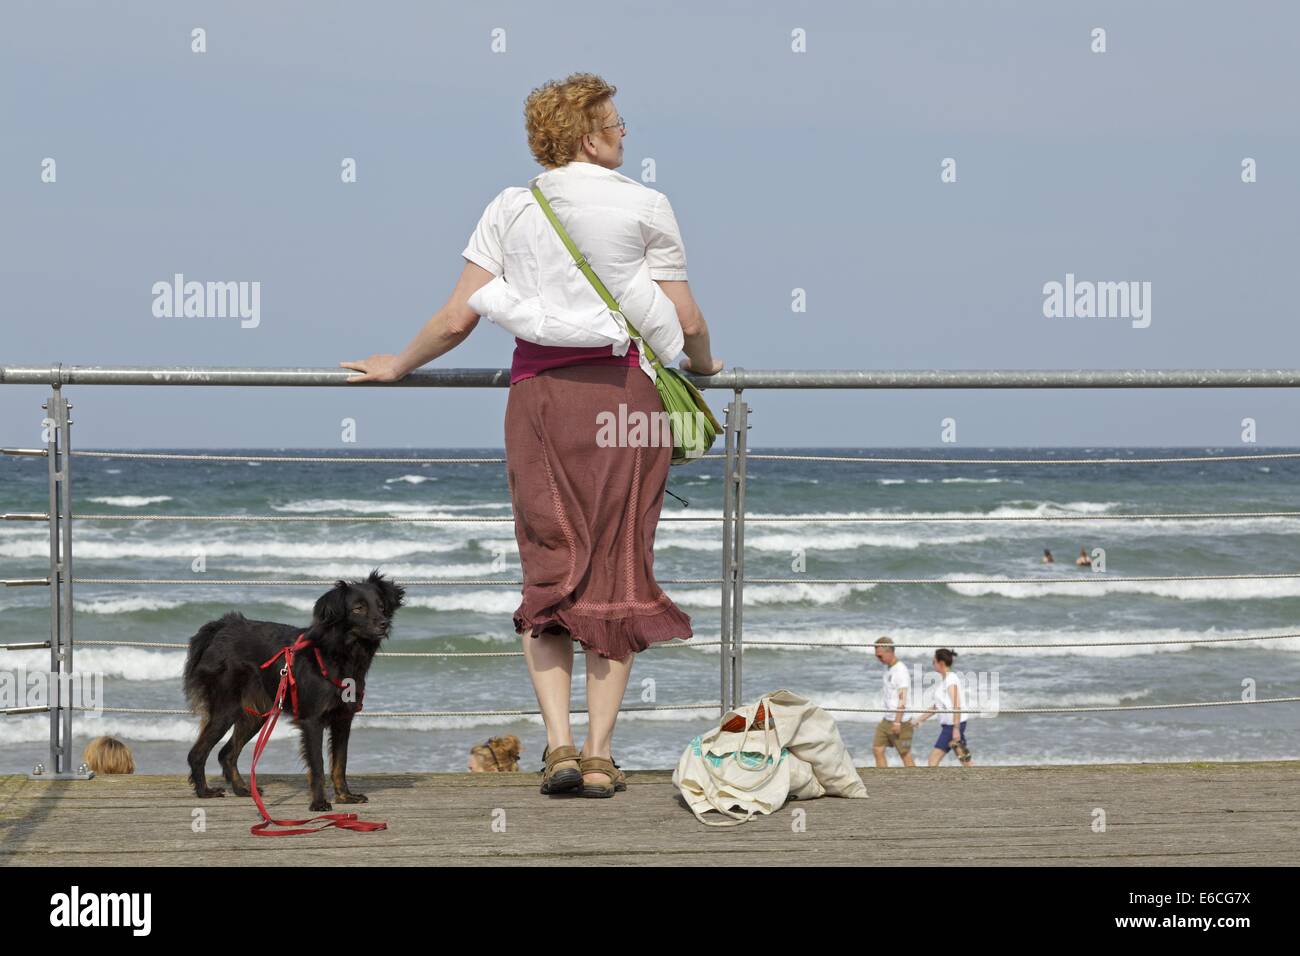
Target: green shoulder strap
594,279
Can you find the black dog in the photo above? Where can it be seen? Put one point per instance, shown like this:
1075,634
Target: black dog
224,676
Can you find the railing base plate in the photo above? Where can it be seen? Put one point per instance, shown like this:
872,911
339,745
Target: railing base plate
70,775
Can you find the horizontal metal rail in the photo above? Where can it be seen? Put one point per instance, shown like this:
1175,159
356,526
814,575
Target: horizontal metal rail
821,645
713,705
328,582
1089,578
1016,711
771,519
58,374
705,705
1181,460
816,645
180,646
1093,577
872,459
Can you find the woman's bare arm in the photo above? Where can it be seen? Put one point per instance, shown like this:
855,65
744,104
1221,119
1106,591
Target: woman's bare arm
449,326
699,358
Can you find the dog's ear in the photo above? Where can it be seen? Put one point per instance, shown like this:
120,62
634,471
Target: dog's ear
332,606
390,594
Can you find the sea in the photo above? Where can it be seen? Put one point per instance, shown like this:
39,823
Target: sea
1140,639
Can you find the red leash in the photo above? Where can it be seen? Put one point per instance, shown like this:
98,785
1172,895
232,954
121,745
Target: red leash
342,821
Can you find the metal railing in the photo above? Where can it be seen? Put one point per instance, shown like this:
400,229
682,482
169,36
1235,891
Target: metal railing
58,452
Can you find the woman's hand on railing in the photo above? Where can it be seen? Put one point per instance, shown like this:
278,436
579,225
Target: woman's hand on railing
685,366
377,368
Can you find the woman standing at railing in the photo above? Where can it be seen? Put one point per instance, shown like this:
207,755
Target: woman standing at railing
585,510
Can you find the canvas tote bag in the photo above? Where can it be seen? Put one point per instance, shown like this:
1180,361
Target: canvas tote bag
794,752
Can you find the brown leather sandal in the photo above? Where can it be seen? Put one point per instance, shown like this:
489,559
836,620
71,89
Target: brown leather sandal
556,779
610,769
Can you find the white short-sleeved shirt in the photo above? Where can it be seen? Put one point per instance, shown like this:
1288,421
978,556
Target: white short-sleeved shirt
943,698
628,233
617,222
896,679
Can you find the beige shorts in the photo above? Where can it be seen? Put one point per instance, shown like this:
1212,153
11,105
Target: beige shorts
885,736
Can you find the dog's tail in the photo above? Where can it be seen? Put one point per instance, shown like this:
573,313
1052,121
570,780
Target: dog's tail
195,688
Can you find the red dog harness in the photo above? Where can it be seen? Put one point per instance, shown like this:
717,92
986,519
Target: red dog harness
343,821
287,653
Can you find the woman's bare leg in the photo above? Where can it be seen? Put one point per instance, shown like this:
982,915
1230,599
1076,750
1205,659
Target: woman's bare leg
606,683
550,665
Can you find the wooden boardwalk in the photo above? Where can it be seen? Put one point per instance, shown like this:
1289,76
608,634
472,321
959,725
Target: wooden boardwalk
1221,814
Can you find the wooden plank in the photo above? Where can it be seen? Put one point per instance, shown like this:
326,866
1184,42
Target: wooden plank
1243,814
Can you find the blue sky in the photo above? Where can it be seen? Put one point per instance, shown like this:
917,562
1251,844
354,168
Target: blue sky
816,170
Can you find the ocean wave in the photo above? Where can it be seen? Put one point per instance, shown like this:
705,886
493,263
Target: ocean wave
759,540
769,594
36,729
398,572
24,730
950,481
502,601
505,601
129,605
409,509
360,549
130,501
1021,506
1025,643
1240,590
1011,699
126,663
411,479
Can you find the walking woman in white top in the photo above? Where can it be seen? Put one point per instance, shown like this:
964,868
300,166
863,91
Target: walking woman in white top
950,703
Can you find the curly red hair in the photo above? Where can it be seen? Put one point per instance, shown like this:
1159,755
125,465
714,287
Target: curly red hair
559,113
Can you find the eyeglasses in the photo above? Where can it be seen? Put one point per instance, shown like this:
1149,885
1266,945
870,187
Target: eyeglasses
621,125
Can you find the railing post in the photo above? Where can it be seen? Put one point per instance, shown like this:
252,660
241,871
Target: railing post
738,555
58,426
728,530
733,554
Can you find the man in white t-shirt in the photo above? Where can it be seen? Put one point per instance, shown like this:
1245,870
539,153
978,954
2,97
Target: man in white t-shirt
894,730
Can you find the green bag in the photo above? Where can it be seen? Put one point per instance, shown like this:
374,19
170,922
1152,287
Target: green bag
693,426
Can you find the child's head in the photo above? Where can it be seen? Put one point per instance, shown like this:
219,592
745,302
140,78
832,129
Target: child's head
108,755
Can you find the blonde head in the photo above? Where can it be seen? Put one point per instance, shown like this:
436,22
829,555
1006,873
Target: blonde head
559,113
108,755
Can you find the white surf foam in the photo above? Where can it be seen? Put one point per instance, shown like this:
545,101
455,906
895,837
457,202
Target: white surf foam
130,501
127,605
1241,590
1048,643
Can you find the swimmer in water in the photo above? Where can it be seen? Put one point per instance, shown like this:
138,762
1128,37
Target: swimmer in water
1083,560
